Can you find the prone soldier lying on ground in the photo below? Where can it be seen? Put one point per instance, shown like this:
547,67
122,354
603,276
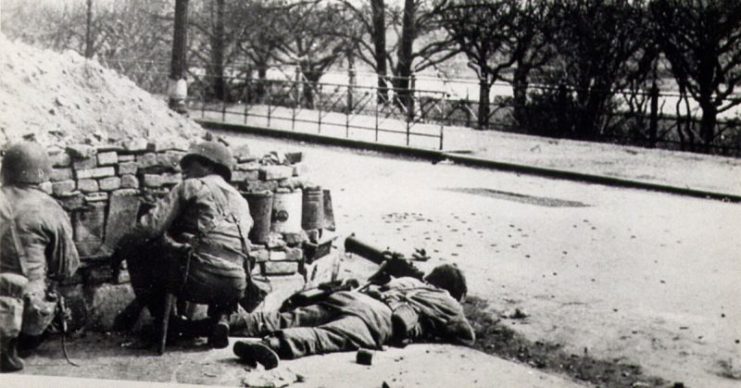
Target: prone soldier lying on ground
388,310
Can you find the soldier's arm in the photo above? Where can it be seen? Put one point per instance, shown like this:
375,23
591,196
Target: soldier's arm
159,219
62,257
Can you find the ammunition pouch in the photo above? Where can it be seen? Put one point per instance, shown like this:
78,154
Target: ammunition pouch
12,288
405,324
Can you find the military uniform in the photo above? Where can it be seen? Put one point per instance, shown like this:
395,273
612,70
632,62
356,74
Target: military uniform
36,250
211,219
349,320
193,243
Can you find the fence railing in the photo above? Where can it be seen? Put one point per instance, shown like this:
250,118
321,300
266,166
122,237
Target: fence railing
393,116
357,108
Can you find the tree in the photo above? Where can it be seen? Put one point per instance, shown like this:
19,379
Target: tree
597,42
701,40
485,33
314,41
415,42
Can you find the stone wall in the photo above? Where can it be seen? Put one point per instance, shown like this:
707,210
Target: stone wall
104,189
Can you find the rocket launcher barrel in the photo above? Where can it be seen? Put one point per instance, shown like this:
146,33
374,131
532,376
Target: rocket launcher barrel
365,250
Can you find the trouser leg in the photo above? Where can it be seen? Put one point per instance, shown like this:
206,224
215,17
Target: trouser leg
344,334
262,323
9,360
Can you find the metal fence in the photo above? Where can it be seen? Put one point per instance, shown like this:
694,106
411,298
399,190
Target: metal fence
357,108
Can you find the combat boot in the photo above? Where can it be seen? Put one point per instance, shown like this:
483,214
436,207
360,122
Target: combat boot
9,360
218,338
263,352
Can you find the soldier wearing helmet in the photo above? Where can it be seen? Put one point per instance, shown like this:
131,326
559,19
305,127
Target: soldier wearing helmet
36,251
193,243
390,310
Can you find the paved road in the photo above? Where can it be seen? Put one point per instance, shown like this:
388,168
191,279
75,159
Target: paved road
633,275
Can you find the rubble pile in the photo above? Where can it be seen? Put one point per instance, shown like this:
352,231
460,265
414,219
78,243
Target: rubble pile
66,99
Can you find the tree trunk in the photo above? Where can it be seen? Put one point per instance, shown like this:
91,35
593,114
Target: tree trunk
379,40
708,121
88,30
519,88
216,67
307,92
484,109
178,66
404,66
262,72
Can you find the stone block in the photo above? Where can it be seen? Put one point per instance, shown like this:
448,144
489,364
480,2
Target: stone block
273,268
88,226
249,166
170,159
72,202
135,145
261,185
127,168
85,164
129,181
88,185
171,179
96,197
62,174
152,180
292,183
46,187
110,183
276,255
126,158
242,176
107,158
300,169
63,187
260,255
122,211
106,302
294,254
81,151
146,160
270,173
99,172
293,239
60,159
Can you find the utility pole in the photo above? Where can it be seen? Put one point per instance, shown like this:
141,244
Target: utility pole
178,88
88,30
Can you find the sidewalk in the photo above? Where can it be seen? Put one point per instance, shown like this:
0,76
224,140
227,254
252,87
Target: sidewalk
676,169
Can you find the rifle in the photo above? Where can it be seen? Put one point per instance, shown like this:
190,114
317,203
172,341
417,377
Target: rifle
390,264
62,314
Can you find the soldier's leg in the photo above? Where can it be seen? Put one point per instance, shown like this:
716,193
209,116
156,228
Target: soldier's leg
258,324
11,316
344,334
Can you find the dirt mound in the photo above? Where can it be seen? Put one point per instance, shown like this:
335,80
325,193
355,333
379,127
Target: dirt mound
63,98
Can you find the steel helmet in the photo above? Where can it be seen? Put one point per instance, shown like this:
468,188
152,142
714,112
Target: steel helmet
214,152
450,278
25,162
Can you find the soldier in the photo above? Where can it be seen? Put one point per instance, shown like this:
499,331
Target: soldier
194,243
36,251
400,311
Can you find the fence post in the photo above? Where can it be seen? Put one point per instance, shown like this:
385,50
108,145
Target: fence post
319,110
410,105
654,120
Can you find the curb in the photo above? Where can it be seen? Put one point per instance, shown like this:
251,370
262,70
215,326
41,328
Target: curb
437,156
